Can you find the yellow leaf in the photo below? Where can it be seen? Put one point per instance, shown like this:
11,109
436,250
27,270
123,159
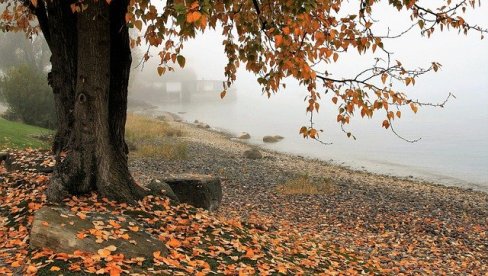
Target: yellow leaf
383,78
104,252
414,107
55,268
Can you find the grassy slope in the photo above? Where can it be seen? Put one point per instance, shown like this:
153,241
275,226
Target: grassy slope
18,135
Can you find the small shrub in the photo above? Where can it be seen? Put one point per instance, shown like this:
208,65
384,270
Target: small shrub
154,139
28,96
166,150
304,184
139,128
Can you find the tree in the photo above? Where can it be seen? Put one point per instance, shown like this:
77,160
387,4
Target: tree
91,61
28,96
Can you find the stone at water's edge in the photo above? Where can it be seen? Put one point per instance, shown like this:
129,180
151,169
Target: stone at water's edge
56,228
244,136
201,191
253,154
272,139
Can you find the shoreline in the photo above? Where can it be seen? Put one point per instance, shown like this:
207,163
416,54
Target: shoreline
424,180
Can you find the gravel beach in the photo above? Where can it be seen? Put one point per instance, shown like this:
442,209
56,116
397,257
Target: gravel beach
411,225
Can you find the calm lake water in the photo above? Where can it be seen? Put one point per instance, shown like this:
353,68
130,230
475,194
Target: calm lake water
453,149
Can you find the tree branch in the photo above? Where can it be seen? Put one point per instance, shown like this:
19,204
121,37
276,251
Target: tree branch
41,14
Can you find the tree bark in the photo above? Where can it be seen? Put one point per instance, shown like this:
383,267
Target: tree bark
92,102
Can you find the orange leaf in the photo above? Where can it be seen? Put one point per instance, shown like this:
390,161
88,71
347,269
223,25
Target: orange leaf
81,215
15,264
278,40
128,17
250,253
192,17
31,269
138,24
336,57
134,228
174,243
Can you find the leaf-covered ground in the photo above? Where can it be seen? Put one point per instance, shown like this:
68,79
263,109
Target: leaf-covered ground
199,243
346,234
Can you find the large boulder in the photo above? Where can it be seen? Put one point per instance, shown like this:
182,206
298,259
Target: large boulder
201,191
62,231
161,188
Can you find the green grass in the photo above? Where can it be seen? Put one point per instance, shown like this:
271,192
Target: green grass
19,136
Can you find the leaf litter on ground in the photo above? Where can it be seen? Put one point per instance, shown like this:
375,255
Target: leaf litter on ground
202,243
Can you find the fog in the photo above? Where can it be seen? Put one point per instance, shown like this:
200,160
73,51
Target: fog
454,145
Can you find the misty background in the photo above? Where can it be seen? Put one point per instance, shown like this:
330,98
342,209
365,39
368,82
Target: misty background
454,145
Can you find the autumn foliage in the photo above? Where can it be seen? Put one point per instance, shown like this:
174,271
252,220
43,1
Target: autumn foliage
280,39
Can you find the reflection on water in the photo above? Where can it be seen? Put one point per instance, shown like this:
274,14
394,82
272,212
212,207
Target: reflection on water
451,152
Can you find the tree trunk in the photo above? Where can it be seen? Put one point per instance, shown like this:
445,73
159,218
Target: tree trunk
92,102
